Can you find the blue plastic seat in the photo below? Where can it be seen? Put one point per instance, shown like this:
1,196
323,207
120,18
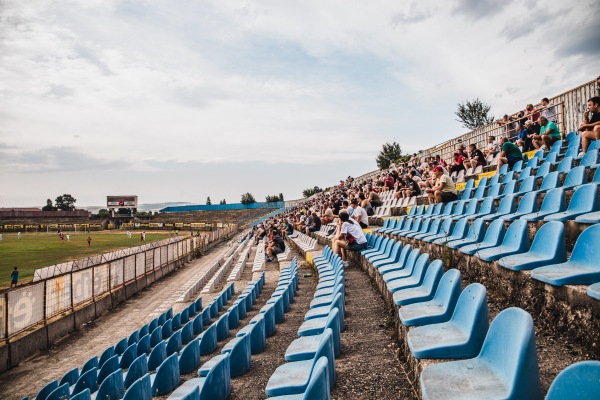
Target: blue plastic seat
425,291
318,386
256,330
506,367
89,364
550,181
214,381
187,332
386,224
174,343
222,327
576,176
544,168
87,380
110,366
157,355
481,188
167,376
518,166
407,255
487,208
133,338
460,337
554,202
507,206
433,229
516,241
394,255
197,323
208,340
293,377
60,393
470,210
577,381
504,169
415,278
527,205
446,225
590,159
70,377
189,359
307,344
440,308
112,387
143,346
459,231
509,188
156,336
137,369
268,311
493,237
584,200
108,353
121,346
582,268
167,329
140,389
424,227
239,349
83,395
509,176
415,226
401,270
565,165
46,390
474,235
594,291
548,247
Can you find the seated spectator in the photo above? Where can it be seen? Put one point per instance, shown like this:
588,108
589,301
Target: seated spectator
524,136
444,189
492,147
509,154
590,127
315,223
328,214
374,198
359,214
275,246
549,133
411,187
476,157
441,161
457,162
346,206
533,115
349,236
549,110
388,182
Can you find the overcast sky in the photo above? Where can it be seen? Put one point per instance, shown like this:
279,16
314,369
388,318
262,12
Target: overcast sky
180,100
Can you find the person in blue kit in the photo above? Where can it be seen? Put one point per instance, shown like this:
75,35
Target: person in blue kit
14,277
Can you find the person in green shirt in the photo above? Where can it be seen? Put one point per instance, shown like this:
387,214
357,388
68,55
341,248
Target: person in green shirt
509,154
549,133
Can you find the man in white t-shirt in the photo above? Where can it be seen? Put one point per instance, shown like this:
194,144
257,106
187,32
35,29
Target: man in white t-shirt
349,236
360,214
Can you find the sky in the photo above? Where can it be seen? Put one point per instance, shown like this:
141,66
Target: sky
179,101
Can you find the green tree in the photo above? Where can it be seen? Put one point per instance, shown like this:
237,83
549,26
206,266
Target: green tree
223,201
274,198
66,202
248,198
49,206
208,202
310,191
281,197
389,152
103,213
474,114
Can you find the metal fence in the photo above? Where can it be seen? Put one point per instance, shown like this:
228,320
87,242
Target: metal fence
94,277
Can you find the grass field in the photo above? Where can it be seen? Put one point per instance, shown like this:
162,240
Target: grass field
35,250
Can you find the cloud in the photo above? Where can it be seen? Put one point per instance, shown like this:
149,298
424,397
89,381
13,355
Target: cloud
413,15
480,9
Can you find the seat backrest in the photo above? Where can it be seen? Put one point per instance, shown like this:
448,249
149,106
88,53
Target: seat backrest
494,190
590,158
470,184
565,165
325,349
89,364
128,356
527,185
174,343
472,207
539,154
140,389
446,226
572,151
481,186
46,390
577,176
586,249
121,346
495,179
550,181
533,162
87,380
494,233
60,393
585,198
460,229
420,266
518,165
425,225
433,275
550,236
525,173
448,208
509,176
544,169
577,381
507,204
435,226
157,355
503,169
111,365
449,288
476,230
471,312
554,201
510,348
509,187
106,354
528,203
218,378
556,146
516,236
318,385
411,259
167,376
70,377
460,207
112,387
137,369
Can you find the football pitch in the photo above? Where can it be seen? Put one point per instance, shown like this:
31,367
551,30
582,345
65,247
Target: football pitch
36,250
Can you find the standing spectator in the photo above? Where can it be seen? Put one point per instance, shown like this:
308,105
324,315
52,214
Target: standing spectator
89,240
533,115
14,277
549,110
349,236
510,154
549,134
444,189
590,127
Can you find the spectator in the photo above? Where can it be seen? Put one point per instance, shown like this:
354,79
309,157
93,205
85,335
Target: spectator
590,127
549,134
14,277
441,161
476,157
524,136
492,147
509,154
457,162
411,187
275,246
349,236
374,198
315,223
327,214
89,240
359,214
549,110
444,189
533,115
